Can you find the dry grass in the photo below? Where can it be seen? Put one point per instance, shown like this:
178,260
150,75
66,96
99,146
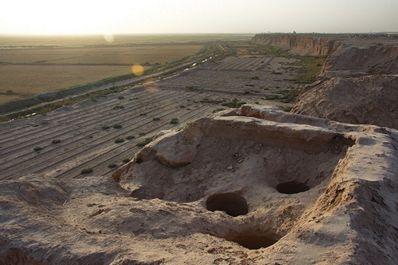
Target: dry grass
105,55
25,72
32,65
27,80
78,41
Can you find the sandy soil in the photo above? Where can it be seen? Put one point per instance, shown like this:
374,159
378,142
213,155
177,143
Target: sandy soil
277,189
253,185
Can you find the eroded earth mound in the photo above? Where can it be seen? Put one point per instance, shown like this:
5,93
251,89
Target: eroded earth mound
249,186
370,99
363,58
358,83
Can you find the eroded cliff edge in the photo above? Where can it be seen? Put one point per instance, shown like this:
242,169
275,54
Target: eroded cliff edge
358,83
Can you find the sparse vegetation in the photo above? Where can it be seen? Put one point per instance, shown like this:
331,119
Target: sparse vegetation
86,171
144,142
119,140
37,149
105,127
290,95
218,110
174,121
272,97
286,108
117,126
310,68
120,97
285,96
126,160
112,166
235,103
130,137
56,141
118,107
211,101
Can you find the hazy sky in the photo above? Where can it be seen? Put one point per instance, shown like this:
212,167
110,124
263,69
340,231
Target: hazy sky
196,16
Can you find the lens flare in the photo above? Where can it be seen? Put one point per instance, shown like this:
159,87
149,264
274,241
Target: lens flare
137,70
151,85
109,38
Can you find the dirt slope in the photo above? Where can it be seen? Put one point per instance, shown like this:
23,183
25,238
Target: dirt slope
355,59
278,188
370,99
358,83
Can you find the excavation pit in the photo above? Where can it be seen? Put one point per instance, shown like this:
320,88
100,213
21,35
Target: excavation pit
292,187
254,156
231,203
251,241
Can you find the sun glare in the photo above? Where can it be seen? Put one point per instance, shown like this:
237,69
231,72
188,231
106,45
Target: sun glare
62,17
137,70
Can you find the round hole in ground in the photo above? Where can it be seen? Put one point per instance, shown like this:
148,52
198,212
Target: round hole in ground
292,187
231,203
254,241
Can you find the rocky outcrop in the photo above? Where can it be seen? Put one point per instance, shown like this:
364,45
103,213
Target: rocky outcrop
255,186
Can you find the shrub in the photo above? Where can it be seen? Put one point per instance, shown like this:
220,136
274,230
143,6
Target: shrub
174,121
56,141
218,110
235,103
144,142
37,149
86,171
118,107
111,166
119,140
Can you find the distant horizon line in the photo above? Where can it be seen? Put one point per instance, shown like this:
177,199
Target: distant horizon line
185,33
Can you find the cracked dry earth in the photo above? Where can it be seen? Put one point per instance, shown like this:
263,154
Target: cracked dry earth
249,186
